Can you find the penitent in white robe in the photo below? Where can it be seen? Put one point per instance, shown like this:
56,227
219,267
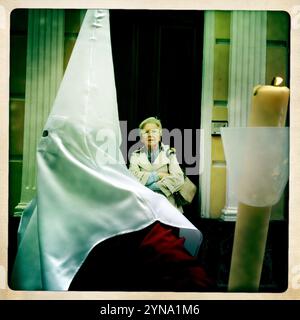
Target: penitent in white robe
85,193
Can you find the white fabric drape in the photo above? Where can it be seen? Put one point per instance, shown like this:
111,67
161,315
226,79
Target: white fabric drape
85,194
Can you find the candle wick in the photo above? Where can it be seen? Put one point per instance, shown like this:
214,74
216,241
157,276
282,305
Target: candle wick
277,81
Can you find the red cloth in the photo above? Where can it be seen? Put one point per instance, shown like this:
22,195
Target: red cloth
162,253
153,259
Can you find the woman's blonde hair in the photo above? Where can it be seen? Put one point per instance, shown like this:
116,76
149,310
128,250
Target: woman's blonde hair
150,120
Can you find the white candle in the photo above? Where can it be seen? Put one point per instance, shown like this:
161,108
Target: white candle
269,106
269,109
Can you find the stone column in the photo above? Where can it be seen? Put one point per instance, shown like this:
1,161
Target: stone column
247,68
44,71
206,110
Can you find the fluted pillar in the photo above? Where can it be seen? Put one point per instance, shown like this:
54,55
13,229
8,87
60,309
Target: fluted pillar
247,68
206,109
44,70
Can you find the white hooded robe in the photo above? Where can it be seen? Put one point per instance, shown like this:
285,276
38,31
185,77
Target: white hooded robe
85,193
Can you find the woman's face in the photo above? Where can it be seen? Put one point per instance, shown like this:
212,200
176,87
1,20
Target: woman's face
150,135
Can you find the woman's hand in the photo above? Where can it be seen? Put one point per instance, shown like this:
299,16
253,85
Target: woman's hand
162,175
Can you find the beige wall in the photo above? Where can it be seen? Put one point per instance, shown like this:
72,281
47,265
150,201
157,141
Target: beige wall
276,65
72,26
219,112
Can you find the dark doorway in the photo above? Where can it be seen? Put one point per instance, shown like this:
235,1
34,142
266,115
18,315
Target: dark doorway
158,69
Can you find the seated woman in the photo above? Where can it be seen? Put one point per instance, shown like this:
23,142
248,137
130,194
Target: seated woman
155,165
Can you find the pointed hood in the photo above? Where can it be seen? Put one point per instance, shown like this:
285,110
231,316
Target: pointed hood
85,193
